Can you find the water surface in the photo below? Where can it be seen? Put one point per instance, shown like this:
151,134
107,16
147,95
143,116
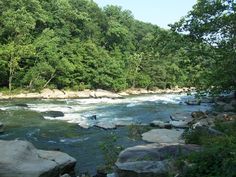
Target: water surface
66,133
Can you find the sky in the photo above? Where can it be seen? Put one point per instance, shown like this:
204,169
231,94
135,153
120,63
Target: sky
159,12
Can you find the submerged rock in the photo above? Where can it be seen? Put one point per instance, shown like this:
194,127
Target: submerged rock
22,159
163,136
150,160
53,114
22,105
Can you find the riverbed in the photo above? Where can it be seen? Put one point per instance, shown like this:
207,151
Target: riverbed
77,132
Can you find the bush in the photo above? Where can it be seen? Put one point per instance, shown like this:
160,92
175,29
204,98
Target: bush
110,151
136,131
218,158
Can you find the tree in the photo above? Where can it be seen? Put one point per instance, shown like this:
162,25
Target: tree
214,23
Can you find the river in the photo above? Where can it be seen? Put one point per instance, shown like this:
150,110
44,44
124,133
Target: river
75,132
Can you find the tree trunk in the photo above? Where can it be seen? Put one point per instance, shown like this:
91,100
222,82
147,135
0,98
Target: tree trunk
52,76
10,83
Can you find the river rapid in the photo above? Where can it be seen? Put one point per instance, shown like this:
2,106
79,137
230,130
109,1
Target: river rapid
76,133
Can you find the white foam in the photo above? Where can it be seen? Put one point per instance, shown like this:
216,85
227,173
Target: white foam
79,111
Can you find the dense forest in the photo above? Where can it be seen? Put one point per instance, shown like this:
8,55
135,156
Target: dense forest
74,44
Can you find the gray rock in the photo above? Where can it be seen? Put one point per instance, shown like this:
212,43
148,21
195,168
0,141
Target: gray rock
179,124
203,122
22,159
151,160
99,93
207,131
163,136
112,175
105,125
193,102
160,124
65,175
53,114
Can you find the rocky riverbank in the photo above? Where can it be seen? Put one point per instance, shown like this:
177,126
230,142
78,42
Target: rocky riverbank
99,93
166,143
22,159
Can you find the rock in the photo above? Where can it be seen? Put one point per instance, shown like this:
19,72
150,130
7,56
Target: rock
1,127
53,114
160,124
123,94
65,175
105,125
46,93
101,172
179,124
99,93
198,115
151,160
112,175
207,131
64,162
22,105
207,100
55,93
22,159
85,94
193,102
163,136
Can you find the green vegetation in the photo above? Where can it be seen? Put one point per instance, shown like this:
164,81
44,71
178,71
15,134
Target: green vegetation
110,151
136,131
218,157
74,44
213,23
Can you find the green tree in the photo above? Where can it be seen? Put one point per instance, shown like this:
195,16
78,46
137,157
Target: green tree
214,23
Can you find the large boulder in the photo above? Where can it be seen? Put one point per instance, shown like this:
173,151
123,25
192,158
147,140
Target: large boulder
163,136
22,159
151,160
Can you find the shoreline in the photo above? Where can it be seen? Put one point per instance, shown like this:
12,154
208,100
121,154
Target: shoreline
99,93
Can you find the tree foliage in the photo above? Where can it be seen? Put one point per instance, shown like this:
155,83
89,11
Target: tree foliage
74,44
213,23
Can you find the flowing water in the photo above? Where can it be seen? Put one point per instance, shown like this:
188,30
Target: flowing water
75,132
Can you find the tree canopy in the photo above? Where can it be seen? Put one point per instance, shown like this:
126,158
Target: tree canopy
74,44
214,23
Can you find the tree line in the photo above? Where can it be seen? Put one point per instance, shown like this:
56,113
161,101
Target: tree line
74,44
